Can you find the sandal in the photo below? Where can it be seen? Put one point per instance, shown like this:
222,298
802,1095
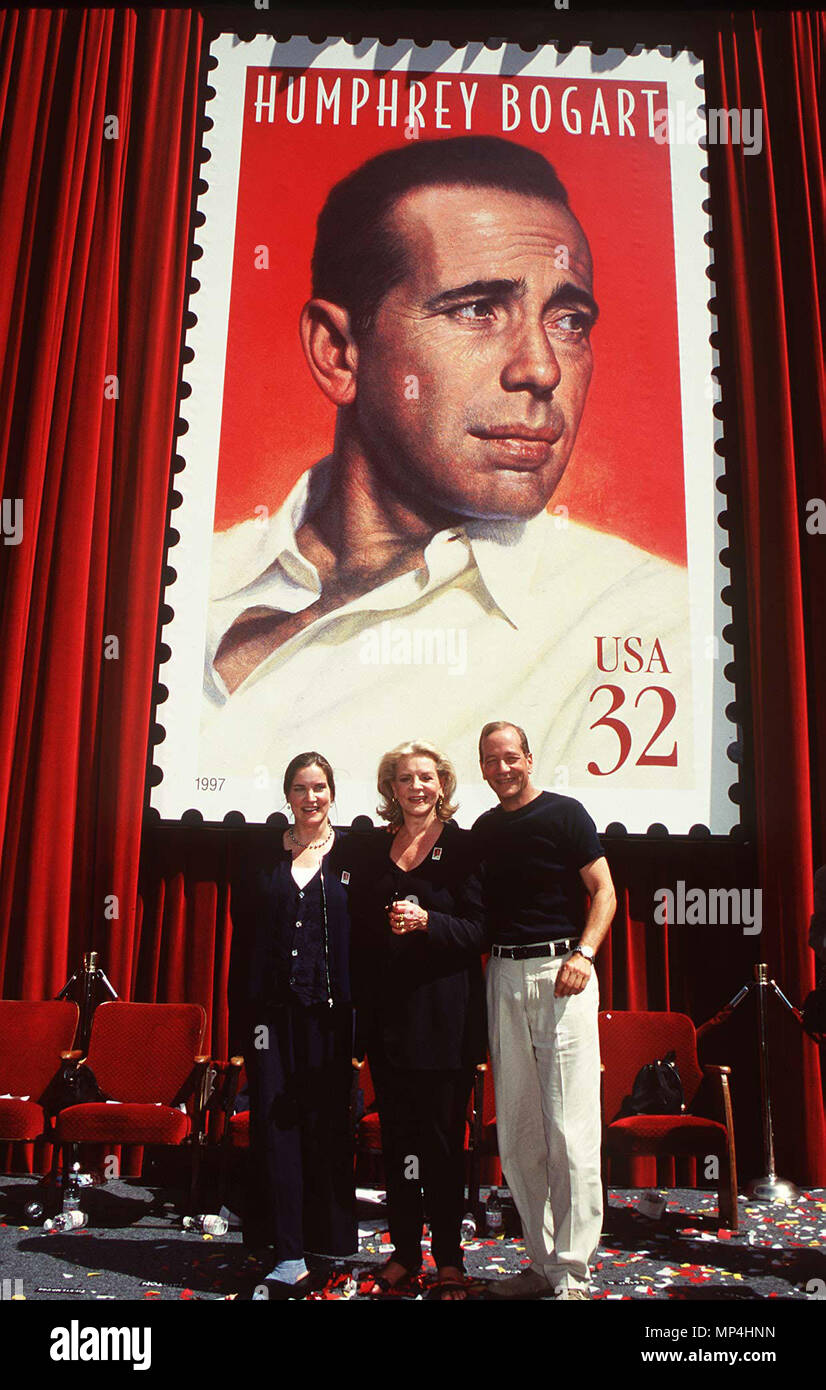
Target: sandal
377,1286
465,1286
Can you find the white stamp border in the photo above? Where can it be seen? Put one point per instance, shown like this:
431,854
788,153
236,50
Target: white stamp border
176,756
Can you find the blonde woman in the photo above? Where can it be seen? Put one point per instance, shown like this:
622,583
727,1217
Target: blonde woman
420,1005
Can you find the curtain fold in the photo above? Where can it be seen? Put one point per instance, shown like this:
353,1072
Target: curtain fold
769,215
92,282
95,224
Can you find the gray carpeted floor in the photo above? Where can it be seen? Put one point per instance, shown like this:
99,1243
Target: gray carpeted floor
133,1249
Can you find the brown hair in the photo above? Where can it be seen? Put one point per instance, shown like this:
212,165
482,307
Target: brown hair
302,760
496,726
358,257
389,808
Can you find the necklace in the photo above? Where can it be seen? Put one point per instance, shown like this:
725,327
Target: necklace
310,844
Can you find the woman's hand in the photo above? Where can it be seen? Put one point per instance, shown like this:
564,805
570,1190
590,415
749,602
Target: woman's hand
407,917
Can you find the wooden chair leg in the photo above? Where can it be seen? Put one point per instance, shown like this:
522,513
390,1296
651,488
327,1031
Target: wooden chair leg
194,1180
51,1182
603,1167
727,1186
727,1193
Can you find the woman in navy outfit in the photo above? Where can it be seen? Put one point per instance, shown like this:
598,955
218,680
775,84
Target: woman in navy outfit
298,1029
420,1006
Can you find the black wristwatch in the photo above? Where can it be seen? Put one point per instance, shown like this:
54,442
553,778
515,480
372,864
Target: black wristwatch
587,951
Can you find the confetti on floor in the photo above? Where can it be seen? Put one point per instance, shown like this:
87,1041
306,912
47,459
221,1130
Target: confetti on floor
683,1254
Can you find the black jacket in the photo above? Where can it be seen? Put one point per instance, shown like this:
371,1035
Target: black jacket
419,997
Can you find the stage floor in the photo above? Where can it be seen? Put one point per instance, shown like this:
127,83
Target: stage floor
128,1252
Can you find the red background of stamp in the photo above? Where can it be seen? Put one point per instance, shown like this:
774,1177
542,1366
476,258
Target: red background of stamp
626,471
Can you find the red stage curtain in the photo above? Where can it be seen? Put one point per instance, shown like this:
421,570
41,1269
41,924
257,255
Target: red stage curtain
771,237
91,289
92,285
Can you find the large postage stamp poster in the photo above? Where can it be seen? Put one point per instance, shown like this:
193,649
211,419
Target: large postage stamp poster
450,450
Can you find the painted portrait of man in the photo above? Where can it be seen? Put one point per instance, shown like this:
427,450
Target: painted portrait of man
450,445
451,325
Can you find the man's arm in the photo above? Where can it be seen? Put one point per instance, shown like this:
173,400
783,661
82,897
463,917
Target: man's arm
576,972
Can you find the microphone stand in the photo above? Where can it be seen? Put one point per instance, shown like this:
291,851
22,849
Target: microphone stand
92,980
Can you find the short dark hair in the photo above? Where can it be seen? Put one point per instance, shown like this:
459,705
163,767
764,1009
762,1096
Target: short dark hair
357,258
302,760
496,727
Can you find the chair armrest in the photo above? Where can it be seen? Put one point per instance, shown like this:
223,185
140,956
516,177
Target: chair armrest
221,1099
720,1080
232,1080
203,1080
715,1086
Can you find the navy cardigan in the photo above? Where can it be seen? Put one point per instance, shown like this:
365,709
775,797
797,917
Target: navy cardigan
258,895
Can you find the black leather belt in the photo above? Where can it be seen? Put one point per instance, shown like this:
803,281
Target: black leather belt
539,948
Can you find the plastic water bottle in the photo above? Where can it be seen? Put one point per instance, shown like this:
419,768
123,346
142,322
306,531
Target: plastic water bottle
468,1228
210,1225
493,1213
70,1220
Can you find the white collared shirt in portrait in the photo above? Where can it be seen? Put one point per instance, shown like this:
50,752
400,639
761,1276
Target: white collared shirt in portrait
517,620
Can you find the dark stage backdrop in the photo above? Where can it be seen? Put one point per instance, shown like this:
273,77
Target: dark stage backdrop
92,287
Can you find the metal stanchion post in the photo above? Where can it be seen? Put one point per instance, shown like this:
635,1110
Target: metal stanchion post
769,1188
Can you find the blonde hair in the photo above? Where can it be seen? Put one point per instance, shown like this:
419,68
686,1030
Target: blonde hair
389,808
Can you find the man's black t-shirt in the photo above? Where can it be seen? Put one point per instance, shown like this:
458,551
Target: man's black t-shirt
531,859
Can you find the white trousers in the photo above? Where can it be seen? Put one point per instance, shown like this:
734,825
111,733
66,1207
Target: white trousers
545,1054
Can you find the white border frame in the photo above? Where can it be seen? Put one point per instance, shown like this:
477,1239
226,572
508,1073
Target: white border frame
707,803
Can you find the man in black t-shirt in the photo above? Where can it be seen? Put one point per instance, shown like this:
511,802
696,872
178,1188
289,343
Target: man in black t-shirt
537,851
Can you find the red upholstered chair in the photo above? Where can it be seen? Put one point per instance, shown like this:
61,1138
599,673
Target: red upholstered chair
33,1035
144,1057
627,1042
229,1129
224,1130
